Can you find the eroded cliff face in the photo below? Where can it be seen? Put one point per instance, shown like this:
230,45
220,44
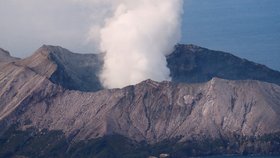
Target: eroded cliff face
233,116
153,112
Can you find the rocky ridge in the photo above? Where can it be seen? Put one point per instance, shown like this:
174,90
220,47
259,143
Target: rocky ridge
70,70
188,64
37,102
5,57
153,112
193,64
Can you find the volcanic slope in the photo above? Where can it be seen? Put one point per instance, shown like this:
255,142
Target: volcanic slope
233,116
188,64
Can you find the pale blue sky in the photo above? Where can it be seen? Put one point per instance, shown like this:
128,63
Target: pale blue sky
246,28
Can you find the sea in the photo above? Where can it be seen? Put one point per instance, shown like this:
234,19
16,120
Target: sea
239,157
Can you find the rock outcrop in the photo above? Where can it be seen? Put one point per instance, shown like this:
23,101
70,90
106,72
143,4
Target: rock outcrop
193,64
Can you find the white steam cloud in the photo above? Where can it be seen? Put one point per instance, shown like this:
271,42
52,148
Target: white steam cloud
136,36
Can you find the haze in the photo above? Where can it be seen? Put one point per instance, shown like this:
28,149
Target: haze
246,28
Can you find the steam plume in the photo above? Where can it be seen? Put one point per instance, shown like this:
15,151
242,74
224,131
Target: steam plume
136,37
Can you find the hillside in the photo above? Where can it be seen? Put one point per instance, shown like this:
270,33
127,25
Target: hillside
43,114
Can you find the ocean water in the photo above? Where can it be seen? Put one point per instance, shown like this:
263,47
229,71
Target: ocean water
247,28
242,157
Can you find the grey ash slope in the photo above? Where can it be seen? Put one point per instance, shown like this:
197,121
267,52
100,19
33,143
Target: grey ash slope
21,77
153,112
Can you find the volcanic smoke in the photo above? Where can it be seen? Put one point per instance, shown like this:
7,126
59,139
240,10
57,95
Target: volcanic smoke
136,37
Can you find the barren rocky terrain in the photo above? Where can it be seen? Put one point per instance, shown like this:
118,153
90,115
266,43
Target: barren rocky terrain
216,104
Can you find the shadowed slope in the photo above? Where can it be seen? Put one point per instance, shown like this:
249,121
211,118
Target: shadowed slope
193,64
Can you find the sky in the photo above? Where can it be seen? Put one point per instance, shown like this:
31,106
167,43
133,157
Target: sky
247,28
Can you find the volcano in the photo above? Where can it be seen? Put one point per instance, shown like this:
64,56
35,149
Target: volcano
52,104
